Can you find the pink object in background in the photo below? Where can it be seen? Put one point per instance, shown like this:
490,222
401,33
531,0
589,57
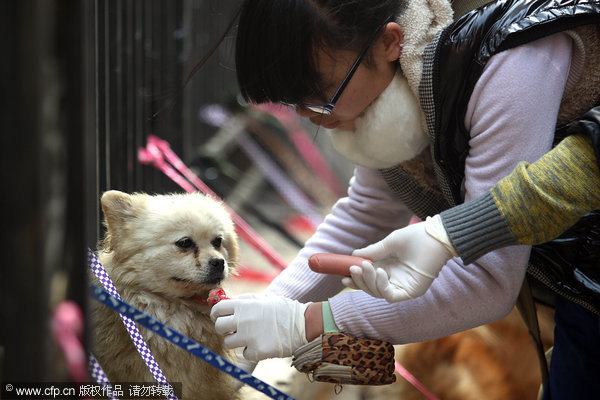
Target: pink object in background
67,329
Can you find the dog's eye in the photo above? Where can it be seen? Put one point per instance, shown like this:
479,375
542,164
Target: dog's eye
185,243
216,242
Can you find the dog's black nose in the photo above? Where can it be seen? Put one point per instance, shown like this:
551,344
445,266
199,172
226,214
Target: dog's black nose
216,268
217,265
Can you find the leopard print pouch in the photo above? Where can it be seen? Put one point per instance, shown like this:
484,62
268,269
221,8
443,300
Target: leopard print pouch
344,359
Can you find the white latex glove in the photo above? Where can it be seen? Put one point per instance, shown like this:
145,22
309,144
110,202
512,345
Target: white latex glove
247,366
406,262
265,326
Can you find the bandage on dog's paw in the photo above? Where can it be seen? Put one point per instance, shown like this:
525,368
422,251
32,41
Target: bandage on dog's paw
344,359
336,264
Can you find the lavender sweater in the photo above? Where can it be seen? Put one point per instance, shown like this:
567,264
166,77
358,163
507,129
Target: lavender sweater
518,95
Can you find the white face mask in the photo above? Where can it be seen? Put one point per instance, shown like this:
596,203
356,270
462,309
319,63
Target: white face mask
388,132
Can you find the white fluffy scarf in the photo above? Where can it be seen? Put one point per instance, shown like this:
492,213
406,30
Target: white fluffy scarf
388,132
392,129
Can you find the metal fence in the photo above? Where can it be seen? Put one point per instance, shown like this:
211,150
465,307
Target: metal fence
143,52
82,85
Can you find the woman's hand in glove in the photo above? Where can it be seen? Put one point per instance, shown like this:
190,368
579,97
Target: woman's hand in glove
407,261
265,326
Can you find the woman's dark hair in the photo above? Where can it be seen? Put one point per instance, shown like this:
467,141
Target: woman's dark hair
276,40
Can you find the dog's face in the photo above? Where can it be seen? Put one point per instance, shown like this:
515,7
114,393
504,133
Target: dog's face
178,245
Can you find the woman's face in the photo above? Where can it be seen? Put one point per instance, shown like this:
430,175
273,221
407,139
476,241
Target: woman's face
365,86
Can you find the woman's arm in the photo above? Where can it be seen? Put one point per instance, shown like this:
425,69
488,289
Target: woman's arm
518,94
368,213
534,204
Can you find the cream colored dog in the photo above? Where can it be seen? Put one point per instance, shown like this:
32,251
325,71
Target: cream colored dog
162,252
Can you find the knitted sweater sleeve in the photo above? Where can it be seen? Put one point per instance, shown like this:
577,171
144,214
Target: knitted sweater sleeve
532,205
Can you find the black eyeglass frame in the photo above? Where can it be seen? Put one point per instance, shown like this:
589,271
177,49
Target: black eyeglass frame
327,109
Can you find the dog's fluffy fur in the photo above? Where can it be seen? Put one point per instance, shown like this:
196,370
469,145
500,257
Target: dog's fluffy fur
161,252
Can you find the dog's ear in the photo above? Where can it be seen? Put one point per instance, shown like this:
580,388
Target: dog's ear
233,248
118,207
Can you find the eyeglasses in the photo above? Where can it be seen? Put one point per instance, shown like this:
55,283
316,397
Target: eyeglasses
327,109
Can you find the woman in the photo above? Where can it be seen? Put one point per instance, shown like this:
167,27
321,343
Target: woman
489,89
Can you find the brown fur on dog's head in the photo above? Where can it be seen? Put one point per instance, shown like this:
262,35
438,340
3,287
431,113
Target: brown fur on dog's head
177,245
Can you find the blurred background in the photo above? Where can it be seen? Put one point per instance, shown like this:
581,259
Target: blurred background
84,84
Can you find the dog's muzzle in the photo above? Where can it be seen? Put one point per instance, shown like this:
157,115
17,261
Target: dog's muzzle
216,269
